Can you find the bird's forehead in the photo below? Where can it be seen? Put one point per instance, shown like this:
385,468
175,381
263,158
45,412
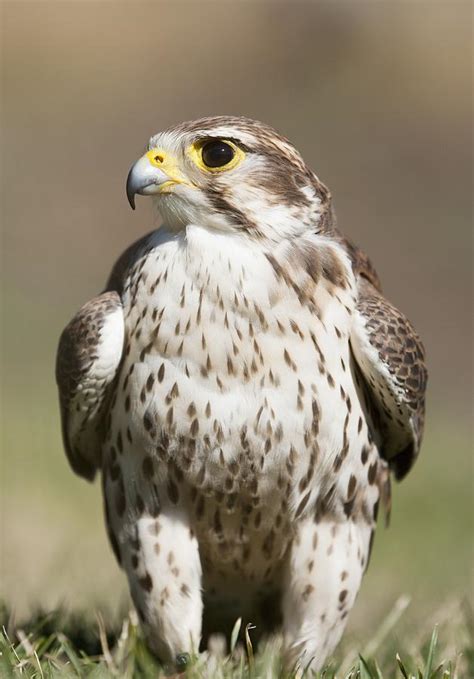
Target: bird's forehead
172,140
168,140
250,134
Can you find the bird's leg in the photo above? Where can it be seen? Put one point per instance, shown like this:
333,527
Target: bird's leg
164,572
323,574
156,547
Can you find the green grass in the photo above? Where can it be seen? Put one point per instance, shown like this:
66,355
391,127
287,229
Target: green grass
63,645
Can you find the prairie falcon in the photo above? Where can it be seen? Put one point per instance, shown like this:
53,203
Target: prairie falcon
245,389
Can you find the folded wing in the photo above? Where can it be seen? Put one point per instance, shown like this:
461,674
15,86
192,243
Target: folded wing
391,358
89,354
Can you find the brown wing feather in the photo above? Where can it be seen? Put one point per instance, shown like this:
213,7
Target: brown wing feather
86,364
361,264
86,368
391,358
401,399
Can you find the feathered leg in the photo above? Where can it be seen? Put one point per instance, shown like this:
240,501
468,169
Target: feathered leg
153,541
323,575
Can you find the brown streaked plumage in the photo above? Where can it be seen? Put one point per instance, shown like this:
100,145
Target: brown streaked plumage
83,396
401,405
245,389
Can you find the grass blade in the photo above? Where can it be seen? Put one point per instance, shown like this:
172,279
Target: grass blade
235,634
364,670
431,652
249,646
401,666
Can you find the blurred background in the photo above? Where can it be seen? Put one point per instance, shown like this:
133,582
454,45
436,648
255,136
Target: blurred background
377,97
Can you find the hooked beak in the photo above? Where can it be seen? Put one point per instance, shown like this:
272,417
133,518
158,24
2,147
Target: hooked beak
153,173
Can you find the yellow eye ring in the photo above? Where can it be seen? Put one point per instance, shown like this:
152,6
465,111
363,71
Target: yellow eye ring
216,150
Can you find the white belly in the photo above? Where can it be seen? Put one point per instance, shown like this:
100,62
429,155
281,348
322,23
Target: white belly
236,386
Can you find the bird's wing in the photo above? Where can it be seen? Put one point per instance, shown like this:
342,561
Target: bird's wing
391,358
89,353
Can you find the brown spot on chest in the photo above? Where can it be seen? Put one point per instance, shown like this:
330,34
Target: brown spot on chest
146,582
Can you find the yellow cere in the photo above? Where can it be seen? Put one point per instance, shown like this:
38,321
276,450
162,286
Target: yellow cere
163,160
169,165
195,153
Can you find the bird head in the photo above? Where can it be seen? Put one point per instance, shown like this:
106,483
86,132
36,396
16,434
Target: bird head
230,174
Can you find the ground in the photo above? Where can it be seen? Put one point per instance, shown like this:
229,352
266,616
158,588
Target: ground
56,645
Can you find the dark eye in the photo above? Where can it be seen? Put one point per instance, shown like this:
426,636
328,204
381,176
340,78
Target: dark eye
217,153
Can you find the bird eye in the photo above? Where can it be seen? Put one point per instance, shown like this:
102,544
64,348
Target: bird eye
217,153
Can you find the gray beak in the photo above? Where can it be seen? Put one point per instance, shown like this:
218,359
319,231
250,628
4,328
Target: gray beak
144,179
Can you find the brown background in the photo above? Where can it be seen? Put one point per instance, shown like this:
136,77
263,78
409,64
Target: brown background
377,97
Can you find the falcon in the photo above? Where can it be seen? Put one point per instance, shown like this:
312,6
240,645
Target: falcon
245,390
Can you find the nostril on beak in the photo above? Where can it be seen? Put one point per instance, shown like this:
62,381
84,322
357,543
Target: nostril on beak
158,159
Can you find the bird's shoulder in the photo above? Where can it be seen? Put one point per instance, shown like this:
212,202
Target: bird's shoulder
126,262
362,265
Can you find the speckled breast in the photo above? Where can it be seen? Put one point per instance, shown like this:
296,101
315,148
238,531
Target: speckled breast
232,388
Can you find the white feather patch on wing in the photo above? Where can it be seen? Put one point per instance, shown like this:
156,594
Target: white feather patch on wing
108,353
